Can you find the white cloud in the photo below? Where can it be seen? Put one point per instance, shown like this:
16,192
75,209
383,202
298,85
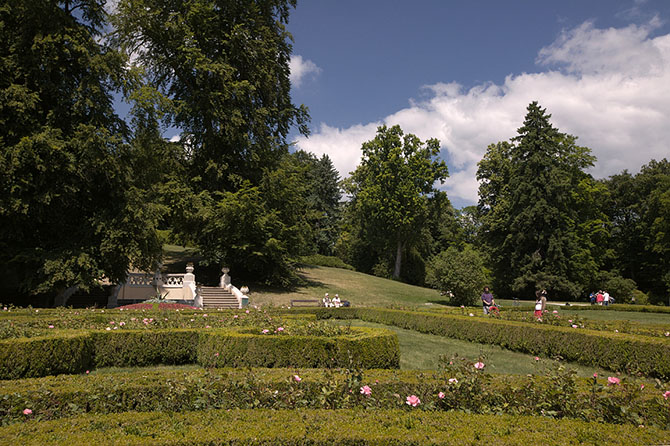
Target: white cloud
301,69
608,87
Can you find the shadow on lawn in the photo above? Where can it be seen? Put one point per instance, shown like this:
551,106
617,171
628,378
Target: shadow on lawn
303,283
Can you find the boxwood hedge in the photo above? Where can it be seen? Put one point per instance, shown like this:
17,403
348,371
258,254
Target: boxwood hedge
321,427
75,352
197,389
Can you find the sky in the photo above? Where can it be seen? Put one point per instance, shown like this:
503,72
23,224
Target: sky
464,73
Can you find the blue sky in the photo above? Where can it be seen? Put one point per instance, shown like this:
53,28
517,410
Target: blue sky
464,72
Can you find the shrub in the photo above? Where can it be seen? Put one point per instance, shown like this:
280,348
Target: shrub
31,357
321,260
319,427
68,353
366,348
460,272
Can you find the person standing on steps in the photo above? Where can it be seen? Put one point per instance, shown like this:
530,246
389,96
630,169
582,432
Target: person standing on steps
487,300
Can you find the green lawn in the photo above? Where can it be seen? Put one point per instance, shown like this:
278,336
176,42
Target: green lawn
358,288
420,351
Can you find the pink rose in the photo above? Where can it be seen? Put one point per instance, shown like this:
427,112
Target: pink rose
555,312
537,358
413,400
265,331
666,395
613,381
595,375
440,395
27,412
280,328
479,365
574,326
366,390
51,326
297,378
453,381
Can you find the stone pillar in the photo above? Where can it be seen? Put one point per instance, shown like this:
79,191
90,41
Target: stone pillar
188,286
225,279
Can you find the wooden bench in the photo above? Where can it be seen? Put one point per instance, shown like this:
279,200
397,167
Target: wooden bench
306,302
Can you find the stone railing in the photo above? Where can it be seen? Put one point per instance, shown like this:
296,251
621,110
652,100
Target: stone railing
179,287
174,287
242,298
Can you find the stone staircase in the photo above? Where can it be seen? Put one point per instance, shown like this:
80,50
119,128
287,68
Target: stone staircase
215,297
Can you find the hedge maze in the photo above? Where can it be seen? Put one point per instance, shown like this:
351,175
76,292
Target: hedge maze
296,378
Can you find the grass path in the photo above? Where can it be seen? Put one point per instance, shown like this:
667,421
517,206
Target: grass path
419,351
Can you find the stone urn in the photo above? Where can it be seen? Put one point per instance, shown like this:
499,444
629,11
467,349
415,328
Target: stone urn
244,290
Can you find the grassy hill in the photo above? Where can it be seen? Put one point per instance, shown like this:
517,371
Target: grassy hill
358,288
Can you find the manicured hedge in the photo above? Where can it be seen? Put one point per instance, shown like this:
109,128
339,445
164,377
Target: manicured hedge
613,351
370,348
322,427
41,356
622,307
75,353
197,389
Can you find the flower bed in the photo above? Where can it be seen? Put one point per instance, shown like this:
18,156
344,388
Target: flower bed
459,387
322,427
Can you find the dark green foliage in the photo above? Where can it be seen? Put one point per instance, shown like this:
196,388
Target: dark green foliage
321,260
256,427
68,208
540,215
223,67
322,197
459,272
639,207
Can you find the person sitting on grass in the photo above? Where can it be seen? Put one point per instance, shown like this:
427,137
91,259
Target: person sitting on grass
336,301
487,300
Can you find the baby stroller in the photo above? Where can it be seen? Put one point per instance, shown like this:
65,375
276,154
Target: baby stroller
494,310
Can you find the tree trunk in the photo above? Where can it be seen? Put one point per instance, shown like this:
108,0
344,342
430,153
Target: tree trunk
398,260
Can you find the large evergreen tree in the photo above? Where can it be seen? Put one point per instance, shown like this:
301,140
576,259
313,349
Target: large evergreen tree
223,67
539,213
220,71
69,210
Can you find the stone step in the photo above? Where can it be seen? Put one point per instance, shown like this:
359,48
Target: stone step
215,297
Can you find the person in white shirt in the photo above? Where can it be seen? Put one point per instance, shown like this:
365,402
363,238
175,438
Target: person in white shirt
326,301
336,301
606,298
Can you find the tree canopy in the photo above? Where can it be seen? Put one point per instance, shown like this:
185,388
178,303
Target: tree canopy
539,213
69,209
390,189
